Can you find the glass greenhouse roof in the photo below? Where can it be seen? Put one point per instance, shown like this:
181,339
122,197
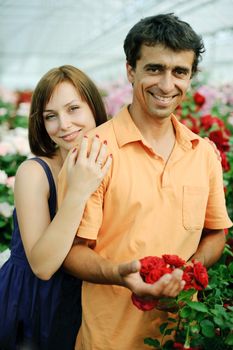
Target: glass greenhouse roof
36,35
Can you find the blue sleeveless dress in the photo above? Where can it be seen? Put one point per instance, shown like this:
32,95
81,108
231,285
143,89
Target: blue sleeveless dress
37,314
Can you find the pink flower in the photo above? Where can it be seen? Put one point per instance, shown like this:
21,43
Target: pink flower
10,181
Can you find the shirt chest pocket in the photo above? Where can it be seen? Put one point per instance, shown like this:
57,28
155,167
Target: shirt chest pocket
194,207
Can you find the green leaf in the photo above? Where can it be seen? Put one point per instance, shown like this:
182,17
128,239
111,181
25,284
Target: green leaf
185,312
168,331
230,267
219,321
152,342
163,327
229,339
195,305
195,329
208,329
186,295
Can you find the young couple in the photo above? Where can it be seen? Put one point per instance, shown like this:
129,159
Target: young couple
137,185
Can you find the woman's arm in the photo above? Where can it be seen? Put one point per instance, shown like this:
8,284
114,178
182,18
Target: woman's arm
47,243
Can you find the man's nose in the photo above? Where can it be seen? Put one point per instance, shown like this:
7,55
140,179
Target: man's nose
166,82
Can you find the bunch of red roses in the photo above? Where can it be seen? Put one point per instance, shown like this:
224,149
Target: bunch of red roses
153,267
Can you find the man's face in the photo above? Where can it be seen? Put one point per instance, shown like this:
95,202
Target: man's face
160,80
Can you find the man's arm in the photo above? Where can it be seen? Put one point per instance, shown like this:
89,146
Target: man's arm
86,264
210,247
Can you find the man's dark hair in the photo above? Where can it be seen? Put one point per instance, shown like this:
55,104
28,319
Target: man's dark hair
164,29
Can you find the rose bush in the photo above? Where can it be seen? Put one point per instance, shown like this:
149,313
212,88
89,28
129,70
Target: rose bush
204,324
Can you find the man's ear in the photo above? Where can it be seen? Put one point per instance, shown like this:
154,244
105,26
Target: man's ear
130,72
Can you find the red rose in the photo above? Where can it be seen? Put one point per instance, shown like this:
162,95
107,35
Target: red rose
199,99
224,161
195,276
207,121
221,139
153,268
155,274
173,260
144,305
188,277
150,263
200,275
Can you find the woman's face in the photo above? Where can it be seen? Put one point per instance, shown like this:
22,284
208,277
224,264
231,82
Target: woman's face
67,117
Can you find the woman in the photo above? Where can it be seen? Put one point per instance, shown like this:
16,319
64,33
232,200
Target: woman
40,304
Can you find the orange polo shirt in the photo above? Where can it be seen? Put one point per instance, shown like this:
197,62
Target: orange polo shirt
144,207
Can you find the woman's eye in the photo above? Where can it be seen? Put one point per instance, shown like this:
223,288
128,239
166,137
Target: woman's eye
49,116
73,108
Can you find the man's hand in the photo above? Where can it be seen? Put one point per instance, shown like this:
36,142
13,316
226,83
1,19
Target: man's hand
169,285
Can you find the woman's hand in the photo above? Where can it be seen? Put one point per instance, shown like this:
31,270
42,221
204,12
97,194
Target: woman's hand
87,168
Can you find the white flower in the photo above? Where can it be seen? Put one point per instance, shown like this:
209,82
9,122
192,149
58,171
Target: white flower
3,111
15,141
7,147
3,177
6,209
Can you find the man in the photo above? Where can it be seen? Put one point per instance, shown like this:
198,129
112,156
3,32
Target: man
163,195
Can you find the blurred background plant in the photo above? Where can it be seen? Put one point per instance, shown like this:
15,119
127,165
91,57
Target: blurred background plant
14,148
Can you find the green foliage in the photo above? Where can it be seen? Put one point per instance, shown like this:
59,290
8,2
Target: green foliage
11,162
208,322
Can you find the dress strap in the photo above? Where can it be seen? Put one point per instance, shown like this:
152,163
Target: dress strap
53,193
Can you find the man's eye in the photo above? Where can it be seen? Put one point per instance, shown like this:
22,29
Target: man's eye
181,72
153,69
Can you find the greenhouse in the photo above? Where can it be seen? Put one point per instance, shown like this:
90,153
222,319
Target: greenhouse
116,175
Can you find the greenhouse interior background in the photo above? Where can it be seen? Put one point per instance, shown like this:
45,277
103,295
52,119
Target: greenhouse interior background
37,35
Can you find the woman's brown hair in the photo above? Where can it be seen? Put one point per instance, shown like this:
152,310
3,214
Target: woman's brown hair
39,141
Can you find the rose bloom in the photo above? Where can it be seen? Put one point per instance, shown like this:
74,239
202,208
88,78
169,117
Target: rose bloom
150,262
221,139
155,274
142,304
173,260
199,99
200,275
153,268
208,120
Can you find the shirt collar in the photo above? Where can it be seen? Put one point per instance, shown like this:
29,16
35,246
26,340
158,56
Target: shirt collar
184,136
126,131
